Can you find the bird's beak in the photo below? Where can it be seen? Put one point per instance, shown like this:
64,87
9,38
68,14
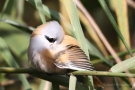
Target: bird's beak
55,42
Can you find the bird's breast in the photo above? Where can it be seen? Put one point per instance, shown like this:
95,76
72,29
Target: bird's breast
49,56
44,61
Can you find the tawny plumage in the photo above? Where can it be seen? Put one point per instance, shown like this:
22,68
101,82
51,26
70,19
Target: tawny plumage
52,51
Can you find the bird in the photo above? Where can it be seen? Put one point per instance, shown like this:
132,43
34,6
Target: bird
51,51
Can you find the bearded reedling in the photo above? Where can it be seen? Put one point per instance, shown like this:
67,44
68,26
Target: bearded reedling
51,51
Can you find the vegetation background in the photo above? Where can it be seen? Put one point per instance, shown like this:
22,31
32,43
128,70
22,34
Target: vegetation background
18,17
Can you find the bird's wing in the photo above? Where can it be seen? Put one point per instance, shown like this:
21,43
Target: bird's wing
74,58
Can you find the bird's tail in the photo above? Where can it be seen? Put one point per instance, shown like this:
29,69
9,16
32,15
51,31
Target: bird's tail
97,82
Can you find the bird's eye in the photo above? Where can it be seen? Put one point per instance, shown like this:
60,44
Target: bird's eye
51,40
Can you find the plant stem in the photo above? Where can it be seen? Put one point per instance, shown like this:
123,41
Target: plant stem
34,71
102,73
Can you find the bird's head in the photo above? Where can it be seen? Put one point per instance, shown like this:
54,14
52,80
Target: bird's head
47,34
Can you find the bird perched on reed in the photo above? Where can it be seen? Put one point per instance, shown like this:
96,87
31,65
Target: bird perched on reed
51,51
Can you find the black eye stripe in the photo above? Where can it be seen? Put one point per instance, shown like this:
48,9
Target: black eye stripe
50,39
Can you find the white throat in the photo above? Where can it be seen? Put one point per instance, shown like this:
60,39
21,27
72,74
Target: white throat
38,43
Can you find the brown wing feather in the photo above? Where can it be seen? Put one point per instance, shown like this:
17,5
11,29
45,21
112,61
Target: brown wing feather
77,58
74,57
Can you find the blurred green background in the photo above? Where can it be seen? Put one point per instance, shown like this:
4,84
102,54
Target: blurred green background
23,13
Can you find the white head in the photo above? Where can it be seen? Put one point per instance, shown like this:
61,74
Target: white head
45,35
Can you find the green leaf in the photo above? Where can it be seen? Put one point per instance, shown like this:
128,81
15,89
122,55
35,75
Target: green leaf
4,51
120,8
17,40
40,9
94,51
120,54
18,25
128,64
47,11
45,84
20,10
42,84
4,8
77,29
108,13
52,13
72,82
